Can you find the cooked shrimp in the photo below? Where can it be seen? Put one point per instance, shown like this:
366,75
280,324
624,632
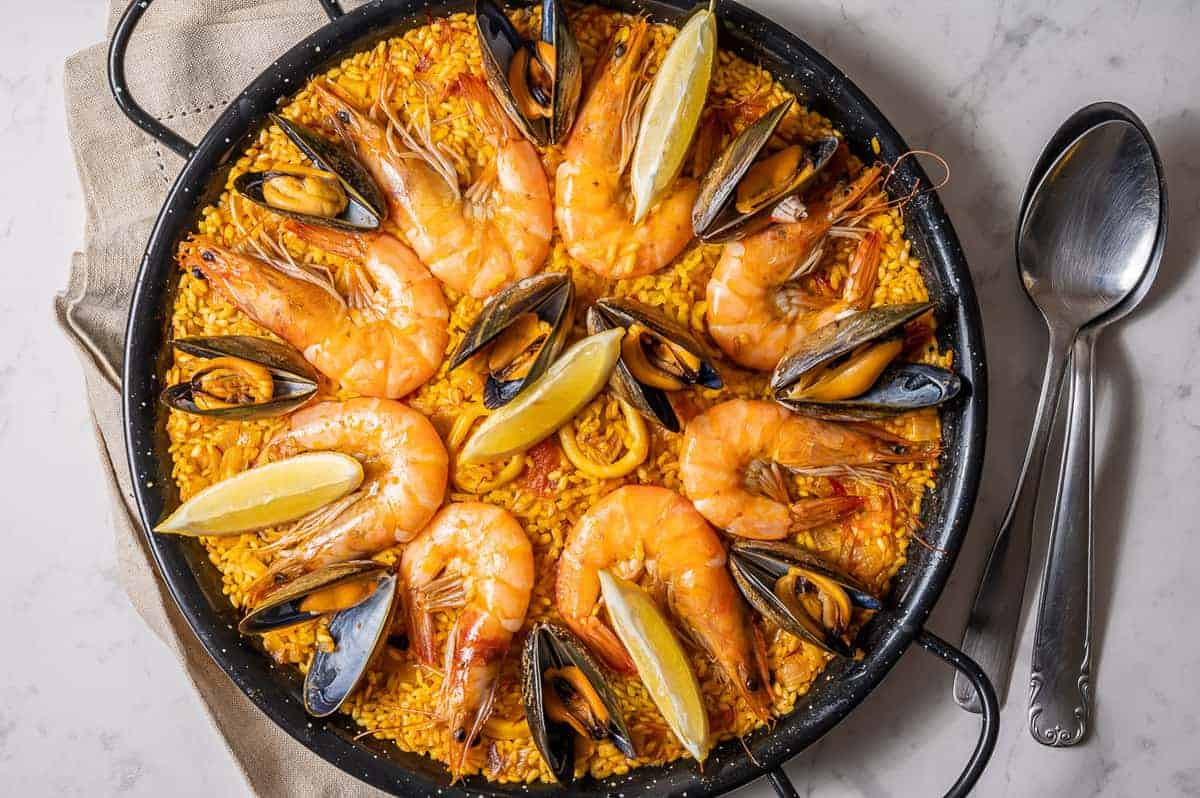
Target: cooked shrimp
756,312
733,453
387,342
477,241
647,529
406,467
475,556
593,206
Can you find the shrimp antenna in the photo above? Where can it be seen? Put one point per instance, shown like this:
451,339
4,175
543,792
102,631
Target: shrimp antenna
881,204
314,522
431,720
417,140
282,260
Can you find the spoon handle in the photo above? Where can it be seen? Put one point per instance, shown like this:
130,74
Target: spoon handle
995,615
1060,695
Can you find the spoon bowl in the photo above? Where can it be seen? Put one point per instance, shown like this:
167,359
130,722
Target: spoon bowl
1091,225
1070,131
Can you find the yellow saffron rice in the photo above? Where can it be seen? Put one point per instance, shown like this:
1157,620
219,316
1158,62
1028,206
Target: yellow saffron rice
396,699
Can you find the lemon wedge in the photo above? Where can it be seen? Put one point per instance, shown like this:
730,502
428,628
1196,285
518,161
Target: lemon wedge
660,661
267,495
554,398
672,111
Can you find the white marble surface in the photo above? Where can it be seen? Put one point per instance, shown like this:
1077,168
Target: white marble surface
91,703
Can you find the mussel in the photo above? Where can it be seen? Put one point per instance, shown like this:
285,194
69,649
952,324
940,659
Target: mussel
537,82
741,193
243,377
657,356
333,588
336,191
845,371
520,330
565,695
359,634
799,592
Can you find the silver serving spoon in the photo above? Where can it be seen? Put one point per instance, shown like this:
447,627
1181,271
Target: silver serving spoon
1130,247
1072,246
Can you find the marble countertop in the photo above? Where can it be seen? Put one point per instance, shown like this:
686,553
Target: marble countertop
91,703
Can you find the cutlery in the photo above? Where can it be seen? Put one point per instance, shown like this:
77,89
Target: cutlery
1123,251
1057,263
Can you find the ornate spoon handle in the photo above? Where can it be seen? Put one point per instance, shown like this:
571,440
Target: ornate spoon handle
996,613
1060,685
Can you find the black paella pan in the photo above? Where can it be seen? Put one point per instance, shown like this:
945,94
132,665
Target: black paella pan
196,585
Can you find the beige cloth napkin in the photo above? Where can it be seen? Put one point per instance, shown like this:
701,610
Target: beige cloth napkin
187,60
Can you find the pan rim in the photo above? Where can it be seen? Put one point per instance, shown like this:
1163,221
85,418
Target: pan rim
729,768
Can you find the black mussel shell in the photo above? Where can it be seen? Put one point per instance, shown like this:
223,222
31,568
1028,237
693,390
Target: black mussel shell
720,181
650,401
901,388
359,634
551,646
551,296
281,608
842,337
365,208
715,218
499,41
295,381
757,565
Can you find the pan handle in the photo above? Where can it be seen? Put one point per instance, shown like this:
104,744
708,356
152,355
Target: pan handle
987,700
119,86
987,736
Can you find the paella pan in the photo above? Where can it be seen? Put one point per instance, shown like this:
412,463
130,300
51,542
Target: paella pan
606,488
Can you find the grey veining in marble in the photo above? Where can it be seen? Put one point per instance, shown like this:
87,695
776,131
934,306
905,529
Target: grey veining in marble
91,703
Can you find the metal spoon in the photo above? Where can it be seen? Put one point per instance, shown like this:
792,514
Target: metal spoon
1068,234
1060,682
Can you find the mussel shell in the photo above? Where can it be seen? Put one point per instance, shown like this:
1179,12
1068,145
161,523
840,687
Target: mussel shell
499,41
281,608
756,565
899,389
552,646
551,296
294,378
719,183
651,402
842,337
359,633
365,207
715,218
732,224
776,557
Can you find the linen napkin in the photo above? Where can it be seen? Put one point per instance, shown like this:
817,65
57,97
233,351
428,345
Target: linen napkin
187,60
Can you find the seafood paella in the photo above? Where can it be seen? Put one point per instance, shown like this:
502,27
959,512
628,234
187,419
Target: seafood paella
554,391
